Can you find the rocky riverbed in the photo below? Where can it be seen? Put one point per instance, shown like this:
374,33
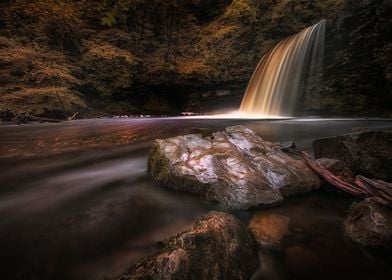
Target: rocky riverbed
236,166
86,207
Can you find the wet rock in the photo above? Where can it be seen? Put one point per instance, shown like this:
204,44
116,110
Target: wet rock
340,147
367,153
370,225
218,246
338,168
269,229
235,167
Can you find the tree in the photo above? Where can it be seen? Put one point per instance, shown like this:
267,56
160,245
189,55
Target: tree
57,21
61,24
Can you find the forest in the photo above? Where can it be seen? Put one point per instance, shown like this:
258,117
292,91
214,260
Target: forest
196,139
135,57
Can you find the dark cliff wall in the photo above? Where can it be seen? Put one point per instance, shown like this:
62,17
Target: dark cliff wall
357,72
171,56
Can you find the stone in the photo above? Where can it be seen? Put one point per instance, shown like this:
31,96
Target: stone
369,224
218,246
269,229
338,168
235,167
368,153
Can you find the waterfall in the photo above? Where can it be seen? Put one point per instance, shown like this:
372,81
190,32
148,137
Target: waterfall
293,65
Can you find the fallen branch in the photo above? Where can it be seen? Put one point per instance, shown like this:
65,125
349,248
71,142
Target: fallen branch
25,118
38,119
73,117
377,188
372,189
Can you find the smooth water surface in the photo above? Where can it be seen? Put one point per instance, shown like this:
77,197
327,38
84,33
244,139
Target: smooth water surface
76,201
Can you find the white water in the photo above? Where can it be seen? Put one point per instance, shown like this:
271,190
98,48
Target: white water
294,64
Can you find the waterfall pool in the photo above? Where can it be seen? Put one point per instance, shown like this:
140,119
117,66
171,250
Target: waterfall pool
76,201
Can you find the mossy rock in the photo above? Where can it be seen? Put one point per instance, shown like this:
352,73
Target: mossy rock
218,246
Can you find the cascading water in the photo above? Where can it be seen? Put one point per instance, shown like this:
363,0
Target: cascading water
293,64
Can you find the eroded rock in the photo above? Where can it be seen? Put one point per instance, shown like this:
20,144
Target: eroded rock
368,153
218,246
235,167
370,225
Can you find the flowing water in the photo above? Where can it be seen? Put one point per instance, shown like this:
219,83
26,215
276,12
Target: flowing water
76,201
293,65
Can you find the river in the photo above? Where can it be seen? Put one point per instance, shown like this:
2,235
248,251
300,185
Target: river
76,201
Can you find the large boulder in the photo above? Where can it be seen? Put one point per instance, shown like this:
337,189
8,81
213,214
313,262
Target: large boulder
369,224
235,167
218,246
367,153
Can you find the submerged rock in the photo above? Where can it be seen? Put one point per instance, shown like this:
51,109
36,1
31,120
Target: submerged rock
269,229
218,246
367,153
235,167
370,225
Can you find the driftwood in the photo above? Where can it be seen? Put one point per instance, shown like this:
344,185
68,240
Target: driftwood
73,117
38,119
25,118
371,189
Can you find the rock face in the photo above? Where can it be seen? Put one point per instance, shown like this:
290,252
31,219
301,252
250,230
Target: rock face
235,167
367,153
370,225
218,246
356,48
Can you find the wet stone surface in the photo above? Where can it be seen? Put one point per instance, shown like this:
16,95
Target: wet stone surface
269,229
235,167
338,168
370,225
368,153
218,246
